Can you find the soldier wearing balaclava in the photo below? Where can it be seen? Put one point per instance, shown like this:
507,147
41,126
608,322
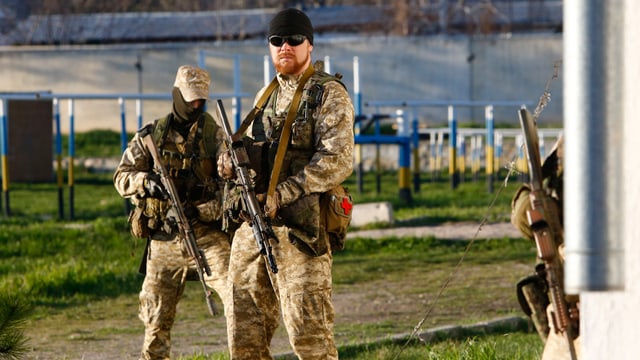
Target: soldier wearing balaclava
189,141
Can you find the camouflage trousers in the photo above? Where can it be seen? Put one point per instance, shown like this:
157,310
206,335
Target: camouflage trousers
167,270
301,290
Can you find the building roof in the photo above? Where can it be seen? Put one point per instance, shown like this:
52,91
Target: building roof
153,27
180,26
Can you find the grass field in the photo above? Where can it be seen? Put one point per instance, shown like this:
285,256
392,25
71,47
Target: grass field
82,273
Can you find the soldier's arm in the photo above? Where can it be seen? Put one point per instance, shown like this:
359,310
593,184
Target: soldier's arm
332,161
134,166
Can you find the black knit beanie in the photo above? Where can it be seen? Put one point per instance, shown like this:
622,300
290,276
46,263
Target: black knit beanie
291,22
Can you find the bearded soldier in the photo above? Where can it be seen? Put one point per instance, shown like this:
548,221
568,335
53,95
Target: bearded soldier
188,141
315,112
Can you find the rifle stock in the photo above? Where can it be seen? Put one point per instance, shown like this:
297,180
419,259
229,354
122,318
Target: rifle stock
262,231
184,227
547,232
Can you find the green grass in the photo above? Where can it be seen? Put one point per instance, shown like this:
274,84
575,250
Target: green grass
509,346
436,202
84,270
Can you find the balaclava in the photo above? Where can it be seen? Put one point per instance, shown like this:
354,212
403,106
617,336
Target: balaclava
191,84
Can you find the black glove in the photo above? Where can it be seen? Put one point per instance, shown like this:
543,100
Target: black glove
153,187
191,212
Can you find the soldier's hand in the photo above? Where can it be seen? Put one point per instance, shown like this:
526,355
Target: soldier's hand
153,187
225,166
190,211
272,205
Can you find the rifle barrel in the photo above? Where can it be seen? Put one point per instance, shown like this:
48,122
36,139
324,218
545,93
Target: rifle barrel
186,232
262,231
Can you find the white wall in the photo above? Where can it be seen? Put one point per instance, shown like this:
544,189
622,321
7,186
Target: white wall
424,68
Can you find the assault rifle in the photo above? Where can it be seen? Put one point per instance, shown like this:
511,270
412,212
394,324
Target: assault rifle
547,231
184,227
260,224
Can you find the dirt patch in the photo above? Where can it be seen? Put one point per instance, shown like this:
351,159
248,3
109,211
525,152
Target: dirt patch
451,231
110,329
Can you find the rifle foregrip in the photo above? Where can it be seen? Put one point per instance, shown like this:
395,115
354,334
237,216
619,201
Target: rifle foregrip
562,313
205,263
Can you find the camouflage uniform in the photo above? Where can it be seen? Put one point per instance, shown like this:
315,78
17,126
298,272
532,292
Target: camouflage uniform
534,288
191,164
301,289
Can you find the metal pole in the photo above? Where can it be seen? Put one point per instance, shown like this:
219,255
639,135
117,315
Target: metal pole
358,110
72,152
202,57
490,157
139,112
266,66
237,84
439,154
415,137
378,158
123,125
593,123
4,129
327,64
461,156
59,170
404,178
124,142
453,172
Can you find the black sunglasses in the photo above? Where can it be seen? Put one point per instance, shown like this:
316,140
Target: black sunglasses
293,40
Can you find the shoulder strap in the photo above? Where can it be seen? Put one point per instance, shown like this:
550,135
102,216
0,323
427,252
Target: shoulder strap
209,128
258,108
286,131
160,128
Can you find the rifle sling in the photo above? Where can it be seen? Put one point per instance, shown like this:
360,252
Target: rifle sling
286,129
257,109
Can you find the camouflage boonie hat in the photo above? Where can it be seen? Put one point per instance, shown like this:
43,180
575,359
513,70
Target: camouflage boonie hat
193,83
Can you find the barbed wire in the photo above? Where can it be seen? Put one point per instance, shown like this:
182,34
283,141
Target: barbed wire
512,170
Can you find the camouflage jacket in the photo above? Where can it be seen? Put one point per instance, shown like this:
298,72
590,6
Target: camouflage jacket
320,153
191,161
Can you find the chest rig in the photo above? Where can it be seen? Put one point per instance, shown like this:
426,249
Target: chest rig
268,127
190,160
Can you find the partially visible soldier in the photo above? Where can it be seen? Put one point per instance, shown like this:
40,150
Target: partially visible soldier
188,139
533,290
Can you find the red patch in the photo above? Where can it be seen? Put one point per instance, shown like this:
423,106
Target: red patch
346,205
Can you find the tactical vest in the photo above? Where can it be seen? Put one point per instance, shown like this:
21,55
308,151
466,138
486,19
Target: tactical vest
191,165
267,128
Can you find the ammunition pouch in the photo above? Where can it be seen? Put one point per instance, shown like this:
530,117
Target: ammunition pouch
336,207
138,222
533,298
232,206
318,222
302,217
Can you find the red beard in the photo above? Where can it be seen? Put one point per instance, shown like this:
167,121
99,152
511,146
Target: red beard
286,64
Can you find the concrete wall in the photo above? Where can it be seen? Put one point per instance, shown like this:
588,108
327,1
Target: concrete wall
609,319
422,68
